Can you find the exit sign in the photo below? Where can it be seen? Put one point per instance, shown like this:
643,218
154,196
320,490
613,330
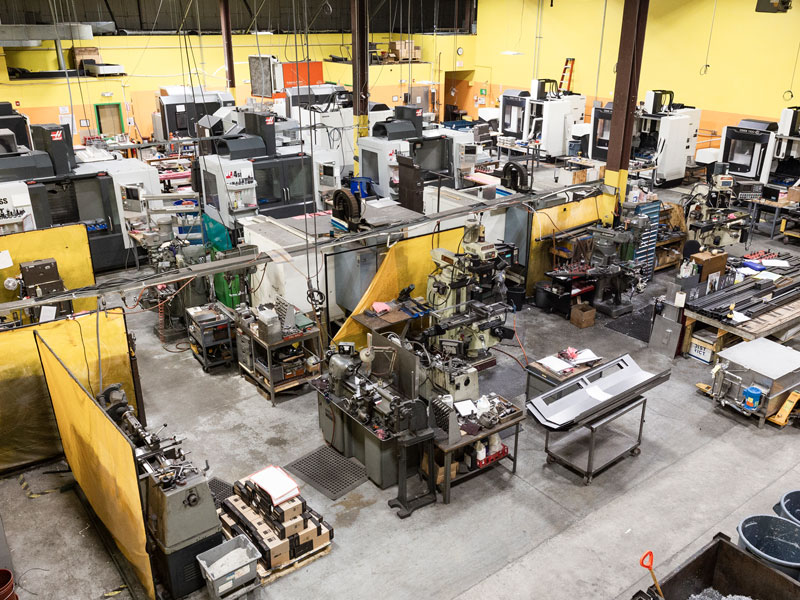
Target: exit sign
483,91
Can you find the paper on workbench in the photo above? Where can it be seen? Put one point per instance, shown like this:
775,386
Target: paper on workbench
382,203
746,271
555,364
774,262
768,275
738,317
466,408
585,356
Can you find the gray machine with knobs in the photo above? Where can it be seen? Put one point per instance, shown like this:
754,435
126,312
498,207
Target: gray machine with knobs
180,516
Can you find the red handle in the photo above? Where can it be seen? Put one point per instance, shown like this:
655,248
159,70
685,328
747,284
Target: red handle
647,560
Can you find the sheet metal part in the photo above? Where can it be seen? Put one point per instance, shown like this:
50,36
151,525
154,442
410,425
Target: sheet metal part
593,394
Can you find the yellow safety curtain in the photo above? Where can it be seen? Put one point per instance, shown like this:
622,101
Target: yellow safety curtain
27,428
101,459
68,245
408,261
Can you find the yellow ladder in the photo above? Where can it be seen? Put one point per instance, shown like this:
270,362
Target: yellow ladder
566,76
781,418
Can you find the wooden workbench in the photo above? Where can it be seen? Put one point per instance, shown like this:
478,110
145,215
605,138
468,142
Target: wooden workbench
782,323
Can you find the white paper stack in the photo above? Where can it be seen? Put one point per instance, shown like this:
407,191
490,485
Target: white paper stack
277,483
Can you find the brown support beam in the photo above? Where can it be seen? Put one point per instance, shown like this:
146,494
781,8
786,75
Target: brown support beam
227,41
626,88
359,24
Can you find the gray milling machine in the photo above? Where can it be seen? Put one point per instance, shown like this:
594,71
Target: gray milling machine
180,516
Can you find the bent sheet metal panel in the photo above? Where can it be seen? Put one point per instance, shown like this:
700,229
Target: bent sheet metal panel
28,431
102,461
596,392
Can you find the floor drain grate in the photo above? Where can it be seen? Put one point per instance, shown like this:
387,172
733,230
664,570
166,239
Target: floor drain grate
221,490
329,472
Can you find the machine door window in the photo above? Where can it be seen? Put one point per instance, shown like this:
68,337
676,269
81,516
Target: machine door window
742,153
298,180
268,182
109,118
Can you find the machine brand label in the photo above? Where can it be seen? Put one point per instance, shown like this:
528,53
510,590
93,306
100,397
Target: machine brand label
419,112
57,135
269,120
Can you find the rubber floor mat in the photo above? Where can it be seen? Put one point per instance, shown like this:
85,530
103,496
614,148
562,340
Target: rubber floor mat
221,490
636,324
328,472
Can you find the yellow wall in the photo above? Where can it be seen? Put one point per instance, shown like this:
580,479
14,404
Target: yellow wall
752,55
751,58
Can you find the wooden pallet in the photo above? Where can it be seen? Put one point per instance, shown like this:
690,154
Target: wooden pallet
268,577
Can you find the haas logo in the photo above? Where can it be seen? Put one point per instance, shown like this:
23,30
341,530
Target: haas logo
57,136
269,120
419,112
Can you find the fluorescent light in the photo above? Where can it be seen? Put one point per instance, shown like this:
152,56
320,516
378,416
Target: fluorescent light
426,82
511,53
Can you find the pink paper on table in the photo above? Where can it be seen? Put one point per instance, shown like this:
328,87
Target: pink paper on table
381,307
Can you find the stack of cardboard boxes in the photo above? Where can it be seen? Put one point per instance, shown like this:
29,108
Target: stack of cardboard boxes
405,49
282,532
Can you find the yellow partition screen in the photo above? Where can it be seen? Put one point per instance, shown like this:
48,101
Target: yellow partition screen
27,428
101,459
68,245
408,261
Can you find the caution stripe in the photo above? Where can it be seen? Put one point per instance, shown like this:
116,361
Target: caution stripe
116,591
30,494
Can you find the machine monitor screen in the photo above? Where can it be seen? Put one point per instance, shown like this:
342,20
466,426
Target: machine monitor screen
603,132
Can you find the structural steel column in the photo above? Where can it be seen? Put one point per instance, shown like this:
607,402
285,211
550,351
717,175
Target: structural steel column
626,88
227,42
359,23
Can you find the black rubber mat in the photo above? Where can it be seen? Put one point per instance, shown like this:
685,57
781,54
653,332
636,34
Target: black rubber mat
327,471
221,490
636,324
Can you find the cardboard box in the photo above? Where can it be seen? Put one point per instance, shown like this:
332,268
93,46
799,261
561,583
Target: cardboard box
793,195
286,511
279,551
290,527
710,263
238,518
79,54
582,315
438,469
701,349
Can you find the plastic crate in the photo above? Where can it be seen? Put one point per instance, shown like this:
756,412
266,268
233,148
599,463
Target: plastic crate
225,585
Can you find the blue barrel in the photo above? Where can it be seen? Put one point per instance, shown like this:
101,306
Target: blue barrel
773,539
360,186
752,397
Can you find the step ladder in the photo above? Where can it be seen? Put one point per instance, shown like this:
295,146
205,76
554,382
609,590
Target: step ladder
565,85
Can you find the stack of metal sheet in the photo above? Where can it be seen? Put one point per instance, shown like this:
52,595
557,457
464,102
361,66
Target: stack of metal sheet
594,394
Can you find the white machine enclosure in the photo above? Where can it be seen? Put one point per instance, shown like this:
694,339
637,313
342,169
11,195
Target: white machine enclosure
125,172
14,196
229,187
747,158
378,160
550,121
286,275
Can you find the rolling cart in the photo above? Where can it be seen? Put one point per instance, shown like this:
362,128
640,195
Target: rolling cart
210,336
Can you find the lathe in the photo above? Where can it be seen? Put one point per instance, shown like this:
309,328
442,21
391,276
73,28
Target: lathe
180,517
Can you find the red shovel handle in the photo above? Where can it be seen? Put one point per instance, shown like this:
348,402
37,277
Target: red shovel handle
647,560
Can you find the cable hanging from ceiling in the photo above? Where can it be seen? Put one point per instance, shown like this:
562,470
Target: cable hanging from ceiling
789,94
706,65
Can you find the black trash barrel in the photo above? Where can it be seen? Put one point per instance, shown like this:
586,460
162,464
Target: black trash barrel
773,539
789,506
516,296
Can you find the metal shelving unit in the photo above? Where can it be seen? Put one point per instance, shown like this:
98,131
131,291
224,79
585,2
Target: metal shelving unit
209,336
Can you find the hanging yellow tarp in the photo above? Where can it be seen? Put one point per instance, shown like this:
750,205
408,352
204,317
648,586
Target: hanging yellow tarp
27,429
101,459
408,261
68,245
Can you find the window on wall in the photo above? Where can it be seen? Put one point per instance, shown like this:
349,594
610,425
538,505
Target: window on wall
109,118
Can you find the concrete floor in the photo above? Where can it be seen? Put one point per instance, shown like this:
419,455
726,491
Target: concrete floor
538,534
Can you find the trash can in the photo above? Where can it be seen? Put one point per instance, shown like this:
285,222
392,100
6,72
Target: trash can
789,506
773,539
229,566
541,297
516,296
